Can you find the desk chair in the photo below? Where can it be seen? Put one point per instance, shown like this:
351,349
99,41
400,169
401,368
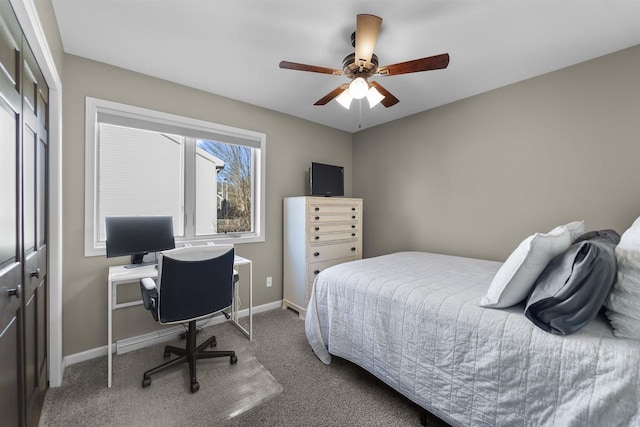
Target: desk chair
193,283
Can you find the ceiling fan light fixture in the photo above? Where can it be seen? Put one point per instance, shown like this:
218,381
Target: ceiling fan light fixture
358,88
374,97
345,99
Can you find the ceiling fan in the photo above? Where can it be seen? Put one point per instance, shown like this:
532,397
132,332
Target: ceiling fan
363,64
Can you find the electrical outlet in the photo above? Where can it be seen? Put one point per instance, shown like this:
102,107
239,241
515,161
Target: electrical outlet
269,282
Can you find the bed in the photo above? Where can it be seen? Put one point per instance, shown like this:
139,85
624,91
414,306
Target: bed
413,320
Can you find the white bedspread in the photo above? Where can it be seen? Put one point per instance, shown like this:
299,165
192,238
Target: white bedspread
412,319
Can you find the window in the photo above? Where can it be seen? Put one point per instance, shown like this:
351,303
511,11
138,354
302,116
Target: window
208,177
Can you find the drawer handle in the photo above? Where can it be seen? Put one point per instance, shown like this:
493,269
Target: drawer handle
353,209
317,209
353,226
317,228
316,254
353,249
353,217
353,234
316,272
317,218
35,273
318,237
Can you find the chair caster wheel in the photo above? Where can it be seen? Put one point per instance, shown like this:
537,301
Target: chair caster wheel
146,382
195,387
166,355
233,359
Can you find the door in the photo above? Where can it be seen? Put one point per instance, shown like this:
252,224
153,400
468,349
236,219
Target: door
23,227
11,266
34,220
11,285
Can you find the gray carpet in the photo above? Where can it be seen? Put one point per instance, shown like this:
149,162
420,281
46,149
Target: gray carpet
278,381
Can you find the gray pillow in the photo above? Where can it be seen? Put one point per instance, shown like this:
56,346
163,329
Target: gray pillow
571,289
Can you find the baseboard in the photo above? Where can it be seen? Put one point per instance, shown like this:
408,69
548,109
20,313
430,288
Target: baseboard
157,337
262,308
72,359
163,335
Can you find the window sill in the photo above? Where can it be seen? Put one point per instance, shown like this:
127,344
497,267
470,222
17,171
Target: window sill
234,240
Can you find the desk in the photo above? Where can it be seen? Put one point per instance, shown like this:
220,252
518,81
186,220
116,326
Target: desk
119,275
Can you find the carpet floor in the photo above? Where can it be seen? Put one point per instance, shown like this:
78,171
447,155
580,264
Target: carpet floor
278,381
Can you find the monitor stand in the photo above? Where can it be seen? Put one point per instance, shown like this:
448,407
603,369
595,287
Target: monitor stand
140,264
136,261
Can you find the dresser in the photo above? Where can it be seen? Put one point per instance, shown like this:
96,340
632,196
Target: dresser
319,232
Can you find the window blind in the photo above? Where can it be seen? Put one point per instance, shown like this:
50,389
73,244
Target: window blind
141,173
175,128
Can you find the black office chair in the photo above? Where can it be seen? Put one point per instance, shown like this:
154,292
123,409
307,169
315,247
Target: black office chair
193,283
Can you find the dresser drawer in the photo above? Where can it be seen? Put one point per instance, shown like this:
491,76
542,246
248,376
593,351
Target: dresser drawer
321,252
328,208
344,217
329,237
316,267
333,228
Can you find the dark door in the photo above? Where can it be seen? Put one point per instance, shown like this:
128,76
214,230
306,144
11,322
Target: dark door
11,266
34,190
23,227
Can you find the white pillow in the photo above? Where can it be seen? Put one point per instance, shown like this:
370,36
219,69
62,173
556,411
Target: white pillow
630,239
513,282
575,228
622,306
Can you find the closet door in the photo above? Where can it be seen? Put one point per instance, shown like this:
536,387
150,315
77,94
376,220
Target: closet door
11,277
23,227
34,170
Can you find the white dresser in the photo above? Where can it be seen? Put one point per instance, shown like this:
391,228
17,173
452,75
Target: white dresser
318,232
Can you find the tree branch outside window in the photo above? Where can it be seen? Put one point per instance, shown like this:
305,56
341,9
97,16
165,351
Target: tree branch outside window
234,185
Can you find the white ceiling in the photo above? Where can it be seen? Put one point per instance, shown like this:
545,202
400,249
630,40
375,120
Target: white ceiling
232,48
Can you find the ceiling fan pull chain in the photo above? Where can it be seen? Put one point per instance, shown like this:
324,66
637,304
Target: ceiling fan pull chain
359,113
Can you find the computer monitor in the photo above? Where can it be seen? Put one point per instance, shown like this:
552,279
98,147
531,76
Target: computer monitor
137,236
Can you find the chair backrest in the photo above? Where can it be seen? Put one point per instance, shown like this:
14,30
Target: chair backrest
194,282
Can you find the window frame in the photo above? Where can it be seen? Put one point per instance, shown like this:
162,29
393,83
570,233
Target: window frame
197,129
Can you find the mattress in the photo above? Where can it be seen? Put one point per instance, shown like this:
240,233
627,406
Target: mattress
412,319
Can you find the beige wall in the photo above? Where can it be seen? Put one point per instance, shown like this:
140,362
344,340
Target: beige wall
291,144
475,177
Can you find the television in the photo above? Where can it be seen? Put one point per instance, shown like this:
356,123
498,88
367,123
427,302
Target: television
326,180
137,236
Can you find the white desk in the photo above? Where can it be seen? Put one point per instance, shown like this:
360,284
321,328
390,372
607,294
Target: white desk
119,275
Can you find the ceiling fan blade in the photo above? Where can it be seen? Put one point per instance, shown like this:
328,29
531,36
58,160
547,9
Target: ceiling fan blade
367,29
313,68
331,95
437,62
389,100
